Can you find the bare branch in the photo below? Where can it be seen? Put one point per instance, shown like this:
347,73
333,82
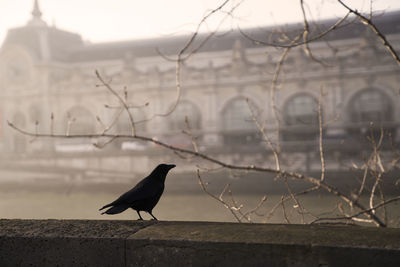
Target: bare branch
261,129
297,43
255,209
123,102
354,217
368,21
294,175
321,148
306,31
182,57
219,199
294,198
274,82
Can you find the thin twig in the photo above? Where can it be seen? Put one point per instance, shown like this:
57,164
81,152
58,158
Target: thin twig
284,210
321,148
299,176
123,102
354,216
274,82
255,209
295,44
261,129
219,199
294,198
306,31
368,21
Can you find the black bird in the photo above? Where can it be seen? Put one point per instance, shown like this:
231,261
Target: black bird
144,196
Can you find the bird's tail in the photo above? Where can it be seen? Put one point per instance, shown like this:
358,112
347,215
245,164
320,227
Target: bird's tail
106,206
115,209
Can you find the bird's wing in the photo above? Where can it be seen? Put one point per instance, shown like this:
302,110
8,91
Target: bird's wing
145,189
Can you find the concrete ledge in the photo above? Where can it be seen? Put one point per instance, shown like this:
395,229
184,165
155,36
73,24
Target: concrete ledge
151,243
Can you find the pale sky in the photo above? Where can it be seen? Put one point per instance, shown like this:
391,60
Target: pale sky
109,20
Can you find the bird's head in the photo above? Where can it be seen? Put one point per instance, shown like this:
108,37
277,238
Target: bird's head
162,170
166,167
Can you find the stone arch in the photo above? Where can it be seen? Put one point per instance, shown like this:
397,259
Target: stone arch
19,140
185,108
300,116
35,114
237,124
370,105
370,109
253,98
123,124
79,120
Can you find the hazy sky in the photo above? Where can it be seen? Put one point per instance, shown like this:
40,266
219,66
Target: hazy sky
106,20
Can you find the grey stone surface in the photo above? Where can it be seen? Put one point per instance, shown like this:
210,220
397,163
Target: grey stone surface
65,242
152,243
323,235
230,244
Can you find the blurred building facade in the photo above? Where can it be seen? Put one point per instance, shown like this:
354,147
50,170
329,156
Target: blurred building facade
48,84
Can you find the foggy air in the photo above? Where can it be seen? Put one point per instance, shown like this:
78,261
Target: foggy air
254,106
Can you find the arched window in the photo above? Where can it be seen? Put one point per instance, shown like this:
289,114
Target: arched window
79,120
124,124
35,121
176,123
237,123
184,109
370,105
300,118
35,114
301,109
19,140
123,127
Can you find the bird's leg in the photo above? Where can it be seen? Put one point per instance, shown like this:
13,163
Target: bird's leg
152,216
140,217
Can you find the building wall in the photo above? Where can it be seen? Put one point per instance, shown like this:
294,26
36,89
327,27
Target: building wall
33,88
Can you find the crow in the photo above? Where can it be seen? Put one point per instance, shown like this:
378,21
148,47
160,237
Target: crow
144,196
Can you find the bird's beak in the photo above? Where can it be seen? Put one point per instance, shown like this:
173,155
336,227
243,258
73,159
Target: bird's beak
172,166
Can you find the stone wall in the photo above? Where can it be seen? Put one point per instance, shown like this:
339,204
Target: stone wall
156,243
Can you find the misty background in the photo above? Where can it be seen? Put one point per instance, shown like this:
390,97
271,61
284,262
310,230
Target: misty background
48,85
